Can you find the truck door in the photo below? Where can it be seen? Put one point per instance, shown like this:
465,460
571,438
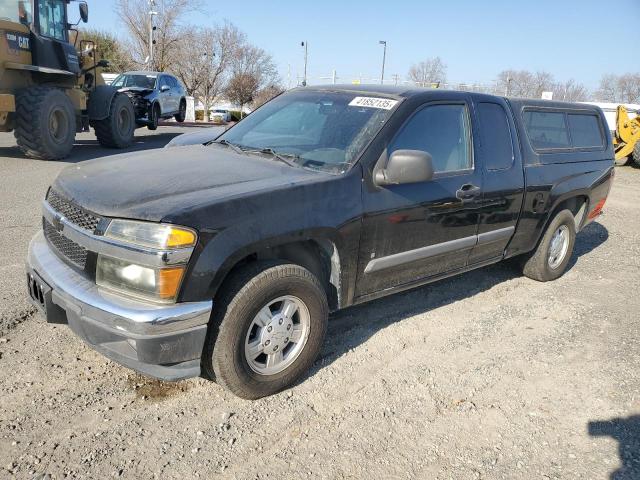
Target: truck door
415,231
503,182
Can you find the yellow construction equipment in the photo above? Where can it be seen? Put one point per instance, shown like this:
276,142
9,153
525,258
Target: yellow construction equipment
50,82
626,140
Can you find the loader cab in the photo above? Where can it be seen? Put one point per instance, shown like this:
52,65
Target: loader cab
50,47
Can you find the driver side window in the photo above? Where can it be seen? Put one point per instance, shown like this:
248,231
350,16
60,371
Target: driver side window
441,130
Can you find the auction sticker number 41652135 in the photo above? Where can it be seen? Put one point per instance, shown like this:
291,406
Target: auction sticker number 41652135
373,102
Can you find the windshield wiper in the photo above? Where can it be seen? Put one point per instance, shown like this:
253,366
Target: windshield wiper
280,156
233,146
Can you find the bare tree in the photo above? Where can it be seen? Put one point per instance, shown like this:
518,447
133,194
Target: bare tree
620,89
428,72
526,84
265,94
168,33
252,69
242,89
205,71
570,91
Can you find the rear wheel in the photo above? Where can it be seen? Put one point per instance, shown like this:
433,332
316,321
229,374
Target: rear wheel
45,126
116,131
550,259
182,113
154,117
268,331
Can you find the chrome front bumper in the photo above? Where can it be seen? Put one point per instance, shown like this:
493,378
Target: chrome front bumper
163,341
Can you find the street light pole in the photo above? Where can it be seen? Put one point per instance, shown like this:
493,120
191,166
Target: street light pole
304,79
384,57
152,12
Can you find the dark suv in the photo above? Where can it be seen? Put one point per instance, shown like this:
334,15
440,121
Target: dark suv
155,95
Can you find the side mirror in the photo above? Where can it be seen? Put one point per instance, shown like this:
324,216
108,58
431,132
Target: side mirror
406,166
84,12
164,88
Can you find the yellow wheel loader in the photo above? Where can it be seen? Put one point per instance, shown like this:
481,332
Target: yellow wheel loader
50,86
626,139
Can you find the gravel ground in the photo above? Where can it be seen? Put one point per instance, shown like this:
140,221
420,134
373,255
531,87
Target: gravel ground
487,375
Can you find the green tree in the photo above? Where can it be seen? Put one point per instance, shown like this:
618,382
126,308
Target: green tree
109,48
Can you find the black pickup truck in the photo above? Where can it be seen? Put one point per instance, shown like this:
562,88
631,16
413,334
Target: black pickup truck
224,259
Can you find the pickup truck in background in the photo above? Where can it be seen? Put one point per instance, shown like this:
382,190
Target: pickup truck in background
224,259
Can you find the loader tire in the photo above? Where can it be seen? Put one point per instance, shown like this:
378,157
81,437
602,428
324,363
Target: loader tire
636,153
116,131
45,126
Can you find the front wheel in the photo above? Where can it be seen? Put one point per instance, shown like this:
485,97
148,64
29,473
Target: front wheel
154,117
550,259
117,130
268,331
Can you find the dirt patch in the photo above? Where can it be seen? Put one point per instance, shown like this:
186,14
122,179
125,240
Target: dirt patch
151,389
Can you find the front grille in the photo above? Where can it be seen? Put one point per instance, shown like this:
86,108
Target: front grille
73,213
69,249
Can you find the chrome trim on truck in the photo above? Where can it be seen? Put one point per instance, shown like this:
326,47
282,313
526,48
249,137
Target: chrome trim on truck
451,246
115,248
73,291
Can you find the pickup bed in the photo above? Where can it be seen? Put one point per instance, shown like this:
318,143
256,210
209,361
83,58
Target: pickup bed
224,258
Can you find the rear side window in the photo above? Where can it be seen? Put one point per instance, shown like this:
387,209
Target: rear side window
585,130
496,136
546,129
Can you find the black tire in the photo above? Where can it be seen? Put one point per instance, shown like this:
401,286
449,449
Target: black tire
182,113
246,292
537,265
154,117
116,131
636,153
45,126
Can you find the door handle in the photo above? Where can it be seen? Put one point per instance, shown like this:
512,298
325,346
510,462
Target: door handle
468,192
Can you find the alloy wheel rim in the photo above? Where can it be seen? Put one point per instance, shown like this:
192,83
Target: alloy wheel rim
277,335
558,246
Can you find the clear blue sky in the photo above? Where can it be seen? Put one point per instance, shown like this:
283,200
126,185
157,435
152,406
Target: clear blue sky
476,39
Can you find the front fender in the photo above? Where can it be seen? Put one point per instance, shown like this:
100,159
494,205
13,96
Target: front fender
100,99
223,252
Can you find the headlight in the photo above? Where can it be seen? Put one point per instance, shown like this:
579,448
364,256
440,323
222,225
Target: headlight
157,284
154,235
153,282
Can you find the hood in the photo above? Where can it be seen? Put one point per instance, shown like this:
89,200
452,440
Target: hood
154,184
136,90
203,135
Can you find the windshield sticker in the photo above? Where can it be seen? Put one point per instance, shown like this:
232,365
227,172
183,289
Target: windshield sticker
373,102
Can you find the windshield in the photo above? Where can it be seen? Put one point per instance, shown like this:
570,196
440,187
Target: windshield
315,129
16,11
139,80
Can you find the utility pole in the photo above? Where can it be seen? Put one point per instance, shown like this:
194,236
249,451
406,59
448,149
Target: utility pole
396,78
508,86
384,57
152,12
333,79
304,79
